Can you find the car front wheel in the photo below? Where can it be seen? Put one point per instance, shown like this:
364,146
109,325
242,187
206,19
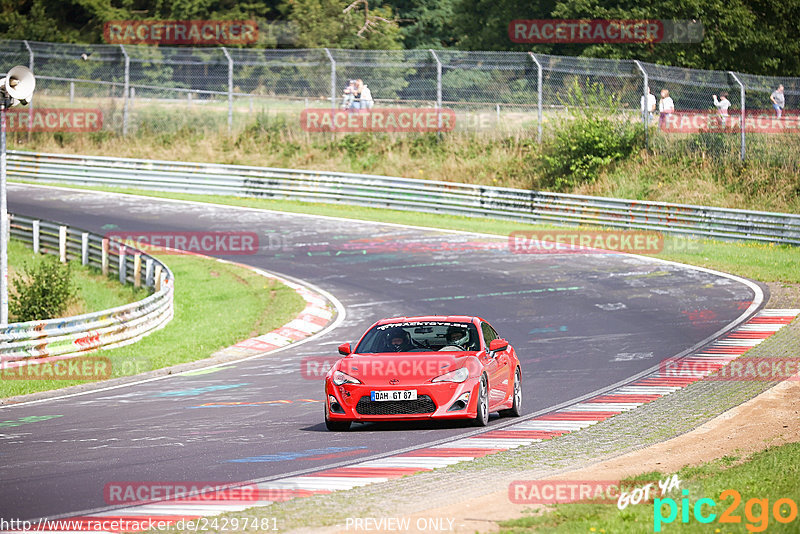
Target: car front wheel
482,417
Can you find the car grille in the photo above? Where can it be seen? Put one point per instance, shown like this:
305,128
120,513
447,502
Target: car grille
423,404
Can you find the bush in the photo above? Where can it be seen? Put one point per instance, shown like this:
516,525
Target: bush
43,291
580,147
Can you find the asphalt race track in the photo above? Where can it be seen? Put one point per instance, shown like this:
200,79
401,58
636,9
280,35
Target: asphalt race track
579,322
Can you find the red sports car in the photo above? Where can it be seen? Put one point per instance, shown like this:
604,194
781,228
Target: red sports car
417,368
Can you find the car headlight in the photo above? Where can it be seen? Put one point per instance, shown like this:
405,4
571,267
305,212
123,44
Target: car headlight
340,378
459,375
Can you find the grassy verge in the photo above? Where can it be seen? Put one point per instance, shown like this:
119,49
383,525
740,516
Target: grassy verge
94,292
684,168
206,292
766,263
768,475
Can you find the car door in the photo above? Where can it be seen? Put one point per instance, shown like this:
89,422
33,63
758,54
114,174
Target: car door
496,368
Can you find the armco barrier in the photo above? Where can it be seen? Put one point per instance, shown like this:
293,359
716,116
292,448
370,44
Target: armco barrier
407,194
72,336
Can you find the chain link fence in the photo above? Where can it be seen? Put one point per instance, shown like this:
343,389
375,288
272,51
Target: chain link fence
149,90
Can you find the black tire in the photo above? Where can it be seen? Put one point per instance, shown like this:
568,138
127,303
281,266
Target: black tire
516,408
337,426
482,417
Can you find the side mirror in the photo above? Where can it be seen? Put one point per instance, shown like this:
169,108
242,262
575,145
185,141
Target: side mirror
344,349
497,345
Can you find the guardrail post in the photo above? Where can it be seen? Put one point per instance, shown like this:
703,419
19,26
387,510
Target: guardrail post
85,248
741,125
148,272
643,106
35,230
158,278
230,88
122,278
104,257
126,88
137,270
62,243
538,96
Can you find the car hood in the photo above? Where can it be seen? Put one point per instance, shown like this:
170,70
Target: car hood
403,368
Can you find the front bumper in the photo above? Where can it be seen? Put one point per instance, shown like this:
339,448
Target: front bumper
443,400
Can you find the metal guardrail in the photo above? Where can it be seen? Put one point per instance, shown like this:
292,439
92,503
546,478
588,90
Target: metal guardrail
407,194
72,336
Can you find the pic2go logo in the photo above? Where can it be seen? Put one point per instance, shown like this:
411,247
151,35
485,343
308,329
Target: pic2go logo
783,511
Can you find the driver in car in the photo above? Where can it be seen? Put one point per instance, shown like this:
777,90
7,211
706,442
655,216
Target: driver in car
399,340
457,335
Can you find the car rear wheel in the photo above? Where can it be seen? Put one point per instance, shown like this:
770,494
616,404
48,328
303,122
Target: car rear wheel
337,426
482,417
516,408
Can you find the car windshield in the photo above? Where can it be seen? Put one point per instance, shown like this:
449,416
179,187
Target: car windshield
420,336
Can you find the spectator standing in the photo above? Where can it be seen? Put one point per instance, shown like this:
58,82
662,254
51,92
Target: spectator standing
649,105
366,97
347,95
357,94
722,104
778,100
666,106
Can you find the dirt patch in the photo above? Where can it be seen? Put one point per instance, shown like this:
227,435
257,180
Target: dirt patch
784,295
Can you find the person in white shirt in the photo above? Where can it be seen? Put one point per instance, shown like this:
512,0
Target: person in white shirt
722,104
666,107
366,96
651,104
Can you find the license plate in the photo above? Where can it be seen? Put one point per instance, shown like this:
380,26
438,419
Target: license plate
394,395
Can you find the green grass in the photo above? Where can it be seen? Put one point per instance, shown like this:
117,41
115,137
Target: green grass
771,474
216,305
766,263
94,292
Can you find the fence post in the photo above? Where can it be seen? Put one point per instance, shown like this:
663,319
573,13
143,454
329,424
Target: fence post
438,90
104,257
36,234
158,278
230,88
643,105
85,248
333,91
122,277
538,95
62,243
126,90
741,124
148,272
137,270
30,102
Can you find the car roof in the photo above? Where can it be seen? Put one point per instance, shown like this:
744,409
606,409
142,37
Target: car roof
446,318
